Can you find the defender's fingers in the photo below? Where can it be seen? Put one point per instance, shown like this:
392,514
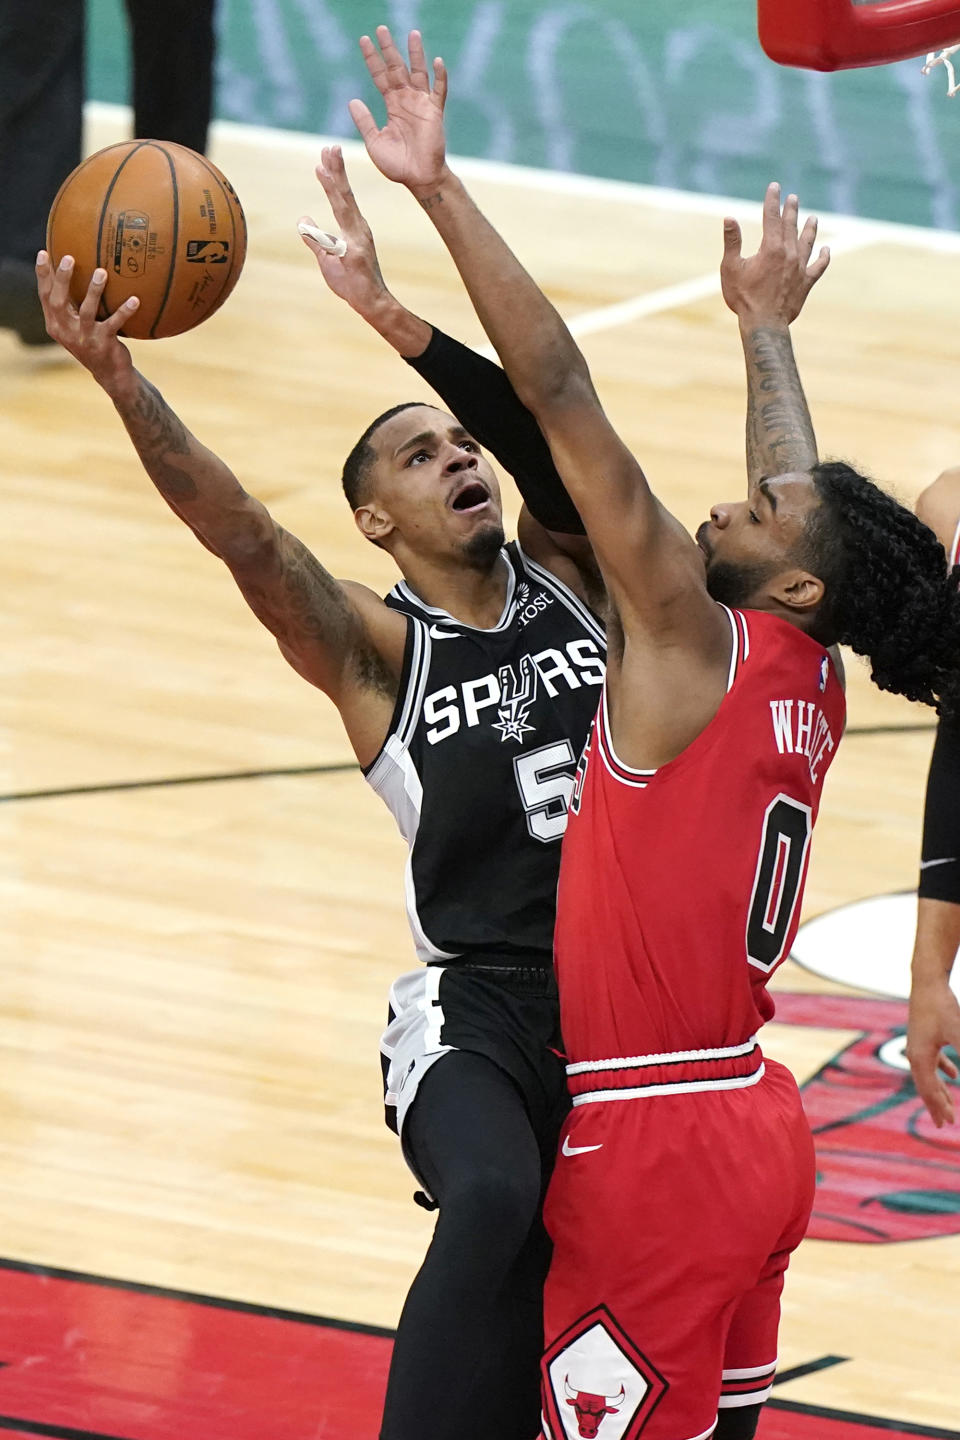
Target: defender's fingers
771,210
374,63
419,74
397,72
321,242
808,236
732,238
336,187
948,1067
364,121
440,81
791,211
114,323
91,301
819,265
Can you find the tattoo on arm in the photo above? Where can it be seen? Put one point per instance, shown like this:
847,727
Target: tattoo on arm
780,435
159,434
307,610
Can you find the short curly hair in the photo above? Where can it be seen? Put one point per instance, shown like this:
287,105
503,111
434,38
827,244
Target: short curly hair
887,592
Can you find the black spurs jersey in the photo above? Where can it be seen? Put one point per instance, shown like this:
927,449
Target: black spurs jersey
479,764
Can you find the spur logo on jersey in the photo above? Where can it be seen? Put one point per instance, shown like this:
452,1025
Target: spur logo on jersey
801,728
516,697
596,1384
506,699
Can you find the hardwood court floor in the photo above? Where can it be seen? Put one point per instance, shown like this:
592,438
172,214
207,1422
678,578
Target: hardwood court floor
195,973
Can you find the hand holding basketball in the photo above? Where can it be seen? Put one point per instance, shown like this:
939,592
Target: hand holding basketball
411,147
771,286
95,343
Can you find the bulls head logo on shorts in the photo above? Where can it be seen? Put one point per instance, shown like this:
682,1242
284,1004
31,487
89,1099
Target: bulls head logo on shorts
591,1409
596,1384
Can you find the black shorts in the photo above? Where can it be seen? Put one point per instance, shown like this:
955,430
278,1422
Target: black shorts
508,1013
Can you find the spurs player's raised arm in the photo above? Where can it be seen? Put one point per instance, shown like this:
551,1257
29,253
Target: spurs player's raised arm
338,635
934,1008
472,387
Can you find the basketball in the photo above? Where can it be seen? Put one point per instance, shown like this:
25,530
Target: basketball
163,222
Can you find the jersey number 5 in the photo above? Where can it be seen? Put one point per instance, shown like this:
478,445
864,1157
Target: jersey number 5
776,887
545,782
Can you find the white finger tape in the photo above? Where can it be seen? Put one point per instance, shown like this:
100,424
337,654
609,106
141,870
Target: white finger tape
331,243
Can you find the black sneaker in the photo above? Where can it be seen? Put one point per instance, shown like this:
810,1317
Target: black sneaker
20,308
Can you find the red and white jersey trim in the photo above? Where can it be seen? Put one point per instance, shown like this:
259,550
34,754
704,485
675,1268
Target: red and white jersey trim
640,779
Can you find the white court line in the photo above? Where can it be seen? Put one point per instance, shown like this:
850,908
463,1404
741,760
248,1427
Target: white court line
844,233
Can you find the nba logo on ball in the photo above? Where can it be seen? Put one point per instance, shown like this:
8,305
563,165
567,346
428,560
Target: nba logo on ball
208,252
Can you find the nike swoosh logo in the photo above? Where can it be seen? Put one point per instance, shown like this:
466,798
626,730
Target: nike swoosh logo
444,634
928,864
568,1149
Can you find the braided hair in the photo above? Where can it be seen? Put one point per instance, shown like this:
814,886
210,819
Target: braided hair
887,593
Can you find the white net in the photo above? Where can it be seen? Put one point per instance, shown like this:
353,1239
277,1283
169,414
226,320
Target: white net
942,57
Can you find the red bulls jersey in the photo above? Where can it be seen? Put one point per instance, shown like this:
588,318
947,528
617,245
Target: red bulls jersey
680,888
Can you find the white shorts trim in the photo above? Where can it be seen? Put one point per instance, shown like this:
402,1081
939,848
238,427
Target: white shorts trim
748,1372
638,1092
411,1042
669,1057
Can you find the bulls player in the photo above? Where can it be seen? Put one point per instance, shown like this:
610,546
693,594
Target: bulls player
685,1176
934,1009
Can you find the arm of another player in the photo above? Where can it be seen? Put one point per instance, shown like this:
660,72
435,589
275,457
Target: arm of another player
340,637
766,292
473,388
934,1010
651,565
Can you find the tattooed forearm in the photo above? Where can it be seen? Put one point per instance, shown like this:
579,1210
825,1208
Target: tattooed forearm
159,435
780,435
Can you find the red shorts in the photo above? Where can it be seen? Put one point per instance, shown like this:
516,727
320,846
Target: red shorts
673,1218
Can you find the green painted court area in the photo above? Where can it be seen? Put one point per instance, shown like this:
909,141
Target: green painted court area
665,92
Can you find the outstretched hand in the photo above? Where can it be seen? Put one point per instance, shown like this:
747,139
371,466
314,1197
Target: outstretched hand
772,285
934,1022
95,343
411,147
354,276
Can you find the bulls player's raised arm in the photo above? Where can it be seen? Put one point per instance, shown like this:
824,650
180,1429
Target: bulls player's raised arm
766,292
472,387
651,566
341,638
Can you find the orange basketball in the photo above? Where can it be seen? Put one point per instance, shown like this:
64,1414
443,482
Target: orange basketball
163,222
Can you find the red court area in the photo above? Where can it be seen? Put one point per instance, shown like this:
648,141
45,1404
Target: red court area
88,1359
